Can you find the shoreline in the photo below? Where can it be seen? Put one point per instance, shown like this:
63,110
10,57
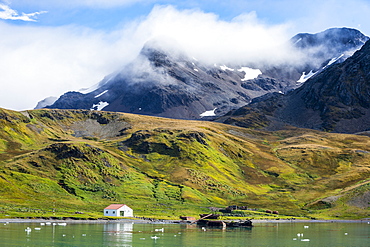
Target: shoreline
141,221
313,221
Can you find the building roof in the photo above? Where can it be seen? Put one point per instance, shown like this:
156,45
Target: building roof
115,206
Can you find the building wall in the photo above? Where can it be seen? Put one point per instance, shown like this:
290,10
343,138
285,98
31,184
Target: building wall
110,212
124,211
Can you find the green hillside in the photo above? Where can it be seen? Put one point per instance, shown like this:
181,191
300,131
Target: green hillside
59,162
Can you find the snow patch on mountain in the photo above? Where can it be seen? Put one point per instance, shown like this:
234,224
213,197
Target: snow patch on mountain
333,60
97,96
224,68
305,77
99,106
298,40
250,73
210,113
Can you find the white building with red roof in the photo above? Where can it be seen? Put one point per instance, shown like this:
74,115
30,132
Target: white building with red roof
118,210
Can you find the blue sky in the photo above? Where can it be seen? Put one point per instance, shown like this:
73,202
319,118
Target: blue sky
313,15
53,46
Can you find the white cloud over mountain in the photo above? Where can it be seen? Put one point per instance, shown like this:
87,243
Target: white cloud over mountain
39,61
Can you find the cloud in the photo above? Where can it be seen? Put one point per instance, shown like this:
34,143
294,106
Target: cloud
81,3
207,37
38,62
7,13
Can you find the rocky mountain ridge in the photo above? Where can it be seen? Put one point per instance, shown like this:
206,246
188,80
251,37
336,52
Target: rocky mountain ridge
335,100
165,82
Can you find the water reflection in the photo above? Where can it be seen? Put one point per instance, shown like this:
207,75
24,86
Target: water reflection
118,234
169,235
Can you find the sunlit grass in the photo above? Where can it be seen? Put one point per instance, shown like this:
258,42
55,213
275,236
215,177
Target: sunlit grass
175,168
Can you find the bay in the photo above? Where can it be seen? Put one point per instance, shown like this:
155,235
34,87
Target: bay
129,234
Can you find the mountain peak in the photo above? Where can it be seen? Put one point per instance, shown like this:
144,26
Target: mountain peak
164,81
334,38
337,99
162,45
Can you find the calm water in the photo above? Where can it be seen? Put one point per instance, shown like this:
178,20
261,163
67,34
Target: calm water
123,234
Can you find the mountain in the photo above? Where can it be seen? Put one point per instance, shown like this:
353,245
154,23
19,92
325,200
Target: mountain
337,99
321,50
167,83
163,81
54,163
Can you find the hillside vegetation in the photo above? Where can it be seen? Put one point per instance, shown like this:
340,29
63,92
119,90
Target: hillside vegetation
59,162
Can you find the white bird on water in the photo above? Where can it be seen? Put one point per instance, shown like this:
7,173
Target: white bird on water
154,237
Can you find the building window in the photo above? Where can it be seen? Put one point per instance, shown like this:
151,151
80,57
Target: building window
106,212
114,212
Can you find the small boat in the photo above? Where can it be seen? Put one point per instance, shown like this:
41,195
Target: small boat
223,224
209,216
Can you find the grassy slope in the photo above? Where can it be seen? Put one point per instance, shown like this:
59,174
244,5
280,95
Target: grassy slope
60,162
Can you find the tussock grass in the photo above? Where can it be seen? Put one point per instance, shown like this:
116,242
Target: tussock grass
59,162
